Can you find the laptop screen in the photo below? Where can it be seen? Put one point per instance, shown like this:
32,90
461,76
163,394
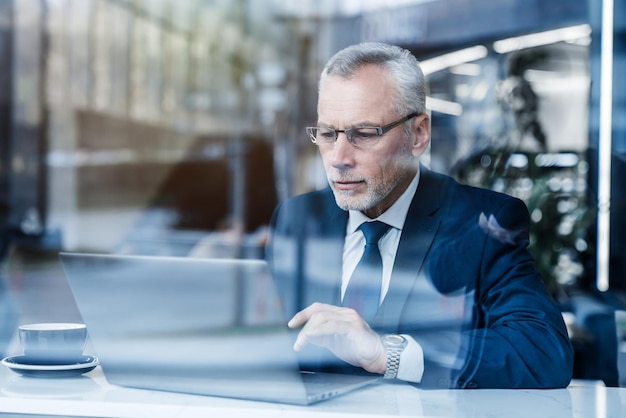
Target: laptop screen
191,325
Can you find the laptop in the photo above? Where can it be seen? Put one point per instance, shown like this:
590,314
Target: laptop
203,326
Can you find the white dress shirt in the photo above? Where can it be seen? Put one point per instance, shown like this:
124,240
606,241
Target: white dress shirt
412,358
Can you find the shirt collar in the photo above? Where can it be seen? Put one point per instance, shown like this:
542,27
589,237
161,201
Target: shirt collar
394,216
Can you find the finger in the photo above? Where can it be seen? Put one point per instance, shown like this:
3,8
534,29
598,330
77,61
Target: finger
322,329
299,319
318,324
296,321
322,339
305,315
300,343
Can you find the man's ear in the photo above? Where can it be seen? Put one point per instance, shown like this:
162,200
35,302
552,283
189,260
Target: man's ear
421,135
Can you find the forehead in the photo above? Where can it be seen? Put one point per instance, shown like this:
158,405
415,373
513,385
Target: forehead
366,96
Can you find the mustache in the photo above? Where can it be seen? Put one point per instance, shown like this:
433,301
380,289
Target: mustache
343,174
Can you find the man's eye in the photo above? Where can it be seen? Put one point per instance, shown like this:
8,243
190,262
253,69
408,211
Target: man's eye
326,134
364,134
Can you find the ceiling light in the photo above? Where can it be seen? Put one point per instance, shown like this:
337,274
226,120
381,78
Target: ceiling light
570,33
444,106
452,59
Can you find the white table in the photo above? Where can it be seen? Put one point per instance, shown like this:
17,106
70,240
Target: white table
91,396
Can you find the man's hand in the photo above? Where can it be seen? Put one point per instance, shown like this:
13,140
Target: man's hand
342,331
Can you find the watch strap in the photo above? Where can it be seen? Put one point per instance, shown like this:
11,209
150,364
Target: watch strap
393,360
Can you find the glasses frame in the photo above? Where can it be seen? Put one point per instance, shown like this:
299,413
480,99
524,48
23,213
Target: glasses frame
380,130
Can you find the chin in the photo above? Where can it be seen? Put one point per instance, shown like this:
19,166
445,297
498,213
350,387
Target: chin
349,201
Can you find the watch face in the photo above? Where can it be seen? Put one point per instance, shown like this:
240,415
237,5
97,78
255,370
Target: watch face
394,340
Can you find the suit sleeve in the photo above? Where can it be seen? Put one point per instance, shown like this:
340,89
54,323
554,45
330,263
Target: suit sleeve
519,339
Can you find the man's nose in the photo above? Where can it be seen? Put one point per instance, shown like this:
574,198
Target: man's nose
343,149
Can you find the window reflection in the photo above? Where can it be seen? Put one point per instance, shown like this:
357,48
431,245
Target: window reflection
175,127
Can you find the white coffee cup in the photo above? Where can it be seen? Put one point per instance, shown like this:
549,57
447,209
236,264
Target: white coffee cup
53,343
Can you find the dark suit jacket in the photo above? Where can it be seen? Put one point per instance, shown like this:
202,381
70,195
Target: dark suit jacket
463,283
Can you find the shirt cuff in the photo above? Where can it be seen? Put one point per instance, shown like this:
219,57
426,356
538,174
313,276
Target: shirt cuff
411,368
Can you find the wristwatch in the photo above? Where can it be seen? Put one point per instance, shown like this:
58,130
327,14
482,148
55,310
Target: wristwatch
394,344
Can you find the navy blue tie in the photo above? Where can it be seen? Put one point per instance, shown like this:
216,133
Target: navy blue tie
363,291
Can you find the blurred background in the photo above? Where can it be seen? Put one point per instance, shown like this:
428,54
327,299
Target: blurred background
162,127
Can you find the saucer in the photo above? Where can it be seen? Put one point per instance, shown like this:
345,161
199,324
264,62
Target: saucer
22,365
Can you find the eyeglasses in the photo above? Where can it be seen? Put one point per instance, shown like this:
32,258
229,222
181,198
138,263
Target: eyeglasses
359,136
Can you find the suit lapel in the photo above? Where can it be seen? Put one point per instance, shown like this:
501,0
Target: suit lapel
420,227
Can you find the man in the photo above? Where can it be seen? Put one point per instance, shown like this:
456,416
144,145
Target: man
458,301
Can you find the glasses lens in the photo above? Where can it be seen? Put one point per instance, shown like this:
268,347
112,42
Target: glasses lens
322,136
364,137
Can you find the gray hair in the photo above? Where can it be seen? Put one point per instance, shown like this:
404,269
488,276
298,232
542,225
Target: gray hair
406,74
